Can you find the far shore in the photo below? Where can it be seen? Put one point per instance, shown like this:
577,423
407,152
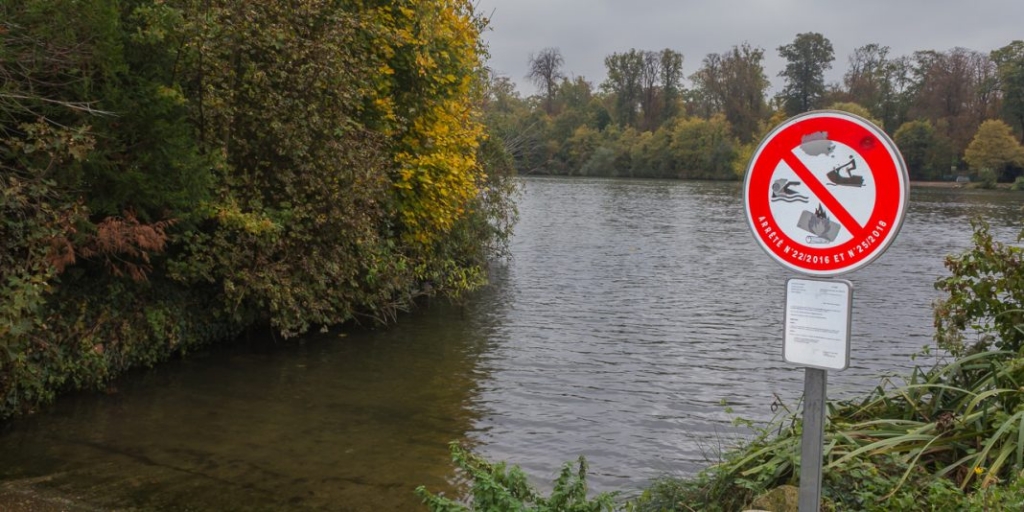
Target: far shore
950,184
938,184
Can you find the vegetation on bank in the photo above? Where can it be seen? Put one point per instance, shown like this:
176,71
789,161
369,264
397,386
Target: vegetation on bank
176,171
500,488
942,108
947,437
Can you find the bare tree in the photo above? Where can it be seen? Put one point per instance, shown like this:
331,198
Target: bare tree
545,73
865,77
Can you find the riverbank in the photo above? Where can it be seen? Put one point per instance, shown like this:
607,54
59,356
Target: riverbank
953,184
936,184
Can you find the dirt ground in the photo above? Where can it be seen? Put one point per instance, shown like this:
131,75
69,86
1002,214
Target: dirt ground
27,496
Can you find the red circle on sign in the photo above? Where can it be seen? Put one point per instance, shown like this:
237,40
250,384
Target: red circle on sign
810,216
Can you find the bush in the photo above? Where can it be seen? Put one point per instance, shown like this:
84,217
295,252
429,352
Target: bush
987,179
601,163
985,296
498,488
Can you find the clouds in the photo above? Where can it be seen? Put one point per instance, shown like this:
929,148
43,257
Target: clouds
588,30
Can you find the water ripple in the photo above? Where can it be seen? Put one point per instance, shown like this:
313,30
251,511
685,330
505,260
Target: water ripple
633,310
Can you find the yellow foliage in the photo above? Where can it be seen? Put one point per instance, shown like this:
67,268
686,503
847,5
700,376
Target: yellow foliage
434,43
230,216
994,147
440,177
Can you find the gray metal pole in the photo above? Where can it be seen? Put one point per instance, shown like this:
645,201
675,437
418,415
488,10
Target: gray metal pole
812,442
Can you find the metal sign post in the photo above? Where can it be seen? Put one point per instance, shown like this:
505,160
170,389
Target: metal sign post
825,194
812,441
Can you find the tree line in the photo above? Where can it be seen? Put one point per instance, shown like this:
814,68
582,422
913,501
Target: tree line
955,112
173,172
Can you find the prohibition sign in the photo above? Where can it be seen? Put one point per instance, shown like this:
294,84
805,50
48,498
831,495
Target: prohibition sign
825,193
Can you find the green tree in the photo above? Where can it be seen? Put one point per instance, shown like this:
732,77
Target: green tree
575,94
917,142
108,80
807,57
500,95
994,147
579,148
857,109
623,84
734,84
644,86
896,92
1009,62
671,84
660,85
703,149
574,102
650,156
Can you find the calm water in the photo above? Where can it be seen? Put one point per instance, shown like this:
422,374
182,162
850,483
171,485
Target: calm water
630,313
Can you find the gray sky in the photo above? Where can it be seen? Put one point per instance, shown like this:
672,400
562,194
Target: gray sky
588,30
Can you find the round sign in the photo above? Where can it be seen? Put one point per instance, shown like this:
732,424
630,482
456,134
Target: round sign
825,193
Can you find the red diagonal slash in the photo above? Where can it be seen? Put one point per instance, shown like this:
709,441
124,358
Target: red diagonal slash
838,211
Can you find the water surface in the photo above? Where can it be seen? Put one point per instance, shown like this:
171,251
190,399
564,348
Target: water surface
630,312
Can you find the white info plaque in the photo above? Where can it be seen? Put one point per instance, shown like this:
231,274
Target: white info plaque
817,323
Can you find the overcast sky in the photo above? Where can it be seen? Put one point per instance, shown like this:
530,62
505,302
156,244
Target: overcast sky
585,31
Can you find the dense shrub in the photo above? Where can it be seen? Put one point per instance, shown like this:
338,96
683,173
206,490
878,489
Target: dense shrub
175,171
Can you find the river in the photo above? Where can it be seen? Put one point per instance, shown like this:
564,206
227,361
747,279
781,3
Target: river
633,322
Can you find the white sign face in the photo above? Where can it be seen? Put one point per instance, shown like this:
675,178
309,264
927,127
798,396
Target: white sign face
817,323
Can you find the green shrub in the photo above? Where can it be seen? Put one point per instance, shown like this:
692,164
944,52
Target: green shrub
984,296
601,163
986,179
498,488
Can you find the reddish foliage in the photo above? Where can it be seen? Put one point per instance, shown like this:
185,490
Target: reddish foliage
123,243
